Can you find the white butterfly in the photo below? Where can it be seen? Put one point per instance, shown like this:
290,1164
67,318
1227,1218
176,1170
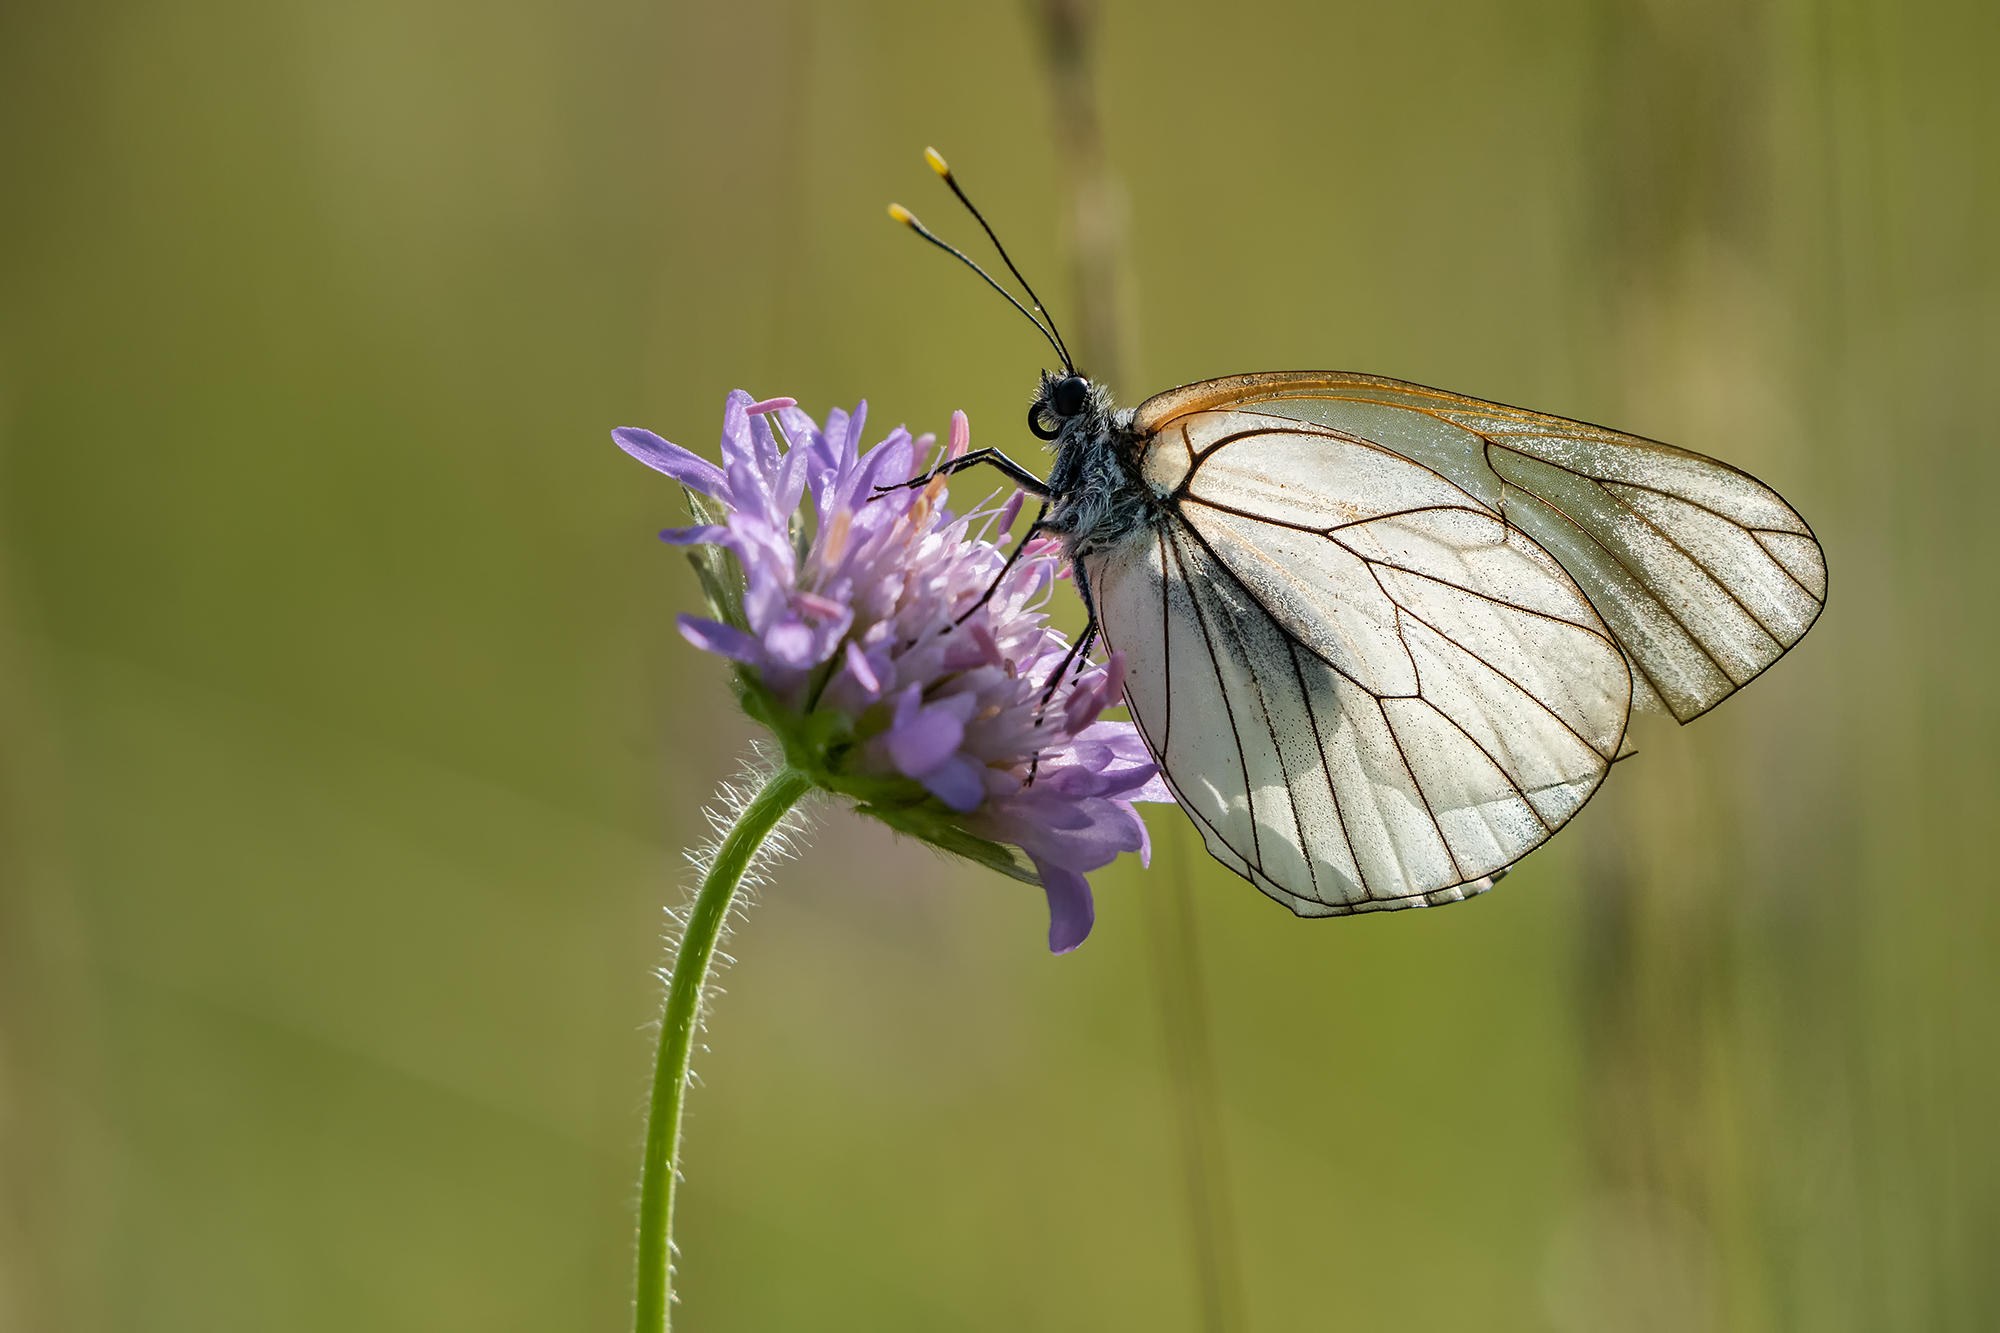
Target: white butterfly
1384,640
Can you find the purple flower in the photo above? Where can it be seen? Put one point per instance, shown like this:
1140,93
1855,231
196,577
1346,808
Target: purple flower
857,624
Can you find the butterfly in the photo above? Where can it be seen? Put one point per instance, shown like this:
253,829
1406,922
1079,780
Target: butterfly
1385,640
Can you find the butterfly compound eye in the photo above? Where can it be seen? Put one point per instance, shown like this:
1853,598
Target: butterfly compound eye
1067,399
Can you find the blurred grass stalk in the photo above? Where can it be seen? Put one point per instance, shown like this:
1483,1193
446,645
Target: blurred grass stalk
1668,1238
1094,210
1776,1046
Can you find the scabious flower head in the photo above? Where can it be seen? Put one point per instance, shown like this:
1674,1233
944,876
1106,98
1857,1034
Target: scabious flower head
855,619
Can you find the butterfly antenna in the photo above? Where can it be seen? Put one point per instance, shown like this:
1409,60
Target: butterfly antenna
909,219
938,164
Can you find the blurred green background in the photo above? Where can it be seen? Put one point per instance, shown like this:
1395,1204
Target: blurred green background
349,746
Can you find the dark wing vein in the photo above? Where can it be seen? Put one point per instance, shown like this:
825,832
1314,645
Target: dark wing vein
1594,540
1372,562
1186,498
1197,457
1501,672
1390,723
1473,740
1251,593
1739,525
1222,690
1603,486
1166,647
1248,658
1325,766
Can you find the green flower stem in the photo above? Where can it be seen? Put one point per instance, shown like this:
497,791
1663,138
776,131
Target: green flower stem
653,1301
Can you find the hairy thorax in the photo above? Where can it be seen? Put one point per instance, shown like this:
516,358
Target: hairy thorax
1098,499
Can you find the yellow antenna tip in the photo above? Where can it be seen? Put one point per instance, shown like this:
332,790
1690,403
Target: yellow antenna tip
936,159
902,215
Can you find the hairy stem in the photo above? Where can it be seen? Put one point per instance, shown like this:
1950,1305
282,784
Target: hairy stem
652,1303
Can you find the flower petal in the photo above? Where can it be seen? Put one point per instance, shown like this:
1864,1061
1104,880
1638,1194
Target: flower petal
705,535
792,475
956,782
724,640
989,650
1072,911
926,741
850,448
1112,691
821,457
689,469
1081,710
761,439
791,642
887,464
736,429
1079,834
764,600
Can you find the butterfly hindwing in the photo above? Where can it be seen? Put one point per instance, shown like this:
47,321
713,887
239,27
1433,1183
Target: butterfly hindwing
1367,688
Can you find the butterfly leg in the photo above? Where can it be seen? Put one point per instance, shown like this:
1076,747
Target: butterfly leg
1080,649
1019,475
1013,556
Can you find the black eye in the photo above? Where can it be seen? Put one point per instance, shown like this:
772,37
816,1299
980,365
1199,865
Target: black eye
1067,399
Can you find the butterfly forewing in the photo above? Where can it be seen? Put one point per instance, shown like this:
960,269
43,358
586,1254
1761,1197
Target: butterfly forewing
1704,575
1367,688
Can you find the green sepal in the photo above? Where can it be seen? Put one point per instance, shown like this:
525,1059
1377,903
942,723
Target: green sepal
715,568
812,743
704,561
801,539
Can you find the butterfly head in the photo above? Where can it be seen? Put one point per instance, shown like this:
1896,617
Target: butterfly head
1066,401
